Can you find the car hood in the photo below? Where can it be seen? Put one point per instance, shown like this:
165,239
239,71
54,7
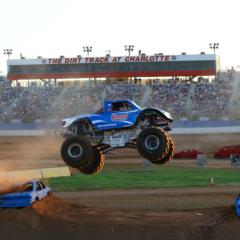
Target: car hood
15,195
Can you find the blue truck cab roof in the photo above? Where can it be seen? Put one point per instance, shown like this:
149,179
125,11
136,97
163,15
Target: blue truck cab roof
108,105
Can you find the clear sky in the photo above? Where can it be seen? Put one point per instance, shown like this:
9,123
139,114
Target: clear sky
50,28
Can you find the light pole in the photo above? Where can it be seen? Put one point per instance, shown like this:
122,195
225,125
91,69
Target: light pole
129,49
7,52
87,49
214,46
108,53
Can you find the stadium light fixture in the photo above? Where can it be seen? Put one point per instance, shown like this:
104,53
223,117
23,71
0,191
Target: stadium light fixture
129,49
87,49
108,53
214,46
7,52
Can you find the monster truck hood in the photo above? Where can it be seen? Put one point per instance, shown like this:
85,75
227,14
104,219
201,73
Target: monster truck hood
164,113
66,122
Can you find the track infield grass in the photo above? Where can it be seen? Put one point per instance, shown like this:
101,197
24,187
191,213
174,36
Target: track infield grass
133,177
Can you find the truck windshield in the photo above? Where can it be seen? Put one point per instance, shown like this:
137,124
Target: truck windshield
99,111
136,105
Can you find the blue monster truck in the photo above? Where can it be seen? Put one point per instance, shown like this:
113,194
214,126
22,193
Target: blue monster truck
119,124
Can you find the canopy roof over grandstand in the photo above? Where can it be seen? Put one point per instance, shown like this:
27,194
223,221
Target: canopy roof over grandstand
113,67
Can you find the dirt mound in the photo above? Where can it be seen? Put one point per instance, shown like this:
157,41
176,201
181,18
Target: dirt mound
51,205
52,218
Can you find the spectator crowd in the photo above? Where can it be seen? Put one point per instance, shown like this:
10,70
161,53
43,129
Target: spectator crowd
183,99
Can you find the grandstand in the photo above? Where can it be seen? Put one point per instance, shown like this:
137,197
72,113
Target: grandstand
184,98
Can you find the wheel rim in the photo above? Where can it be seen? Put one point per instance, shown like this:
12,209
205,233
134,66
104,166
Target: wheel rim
75,150
152,142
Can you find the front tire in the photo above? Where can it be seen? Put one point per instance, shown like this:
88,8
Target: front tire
95,164
76,151
152,143
169,156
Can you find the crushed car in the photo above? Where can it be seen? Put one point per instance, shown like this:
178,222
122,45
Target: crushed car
24,194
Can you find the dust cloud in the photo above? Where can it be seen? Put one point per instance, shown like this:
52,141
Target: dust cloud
25,153
22,153
206,143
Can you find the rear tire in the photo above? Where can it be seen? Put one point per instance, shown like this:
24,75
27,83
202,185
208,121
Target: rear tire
95,164
76,151
169,156
152,143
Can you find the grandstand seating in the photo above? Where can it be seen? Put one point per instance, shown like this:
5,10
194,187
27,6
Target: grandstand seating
184,100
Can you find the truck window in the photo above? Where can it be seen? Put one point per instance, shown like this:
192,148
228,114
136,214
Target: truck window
121,106
99,111
127,106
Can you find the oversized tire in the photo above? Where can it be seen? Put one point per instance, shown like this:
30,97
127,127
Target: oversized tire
95,164
169,156
152,143
76,151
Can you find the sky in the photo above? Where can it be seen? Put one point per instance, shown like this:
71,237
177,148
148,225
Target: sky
50,28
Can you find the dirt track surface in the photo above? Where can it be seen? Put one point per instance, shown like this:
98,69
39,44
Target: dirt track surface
185,214
18,153
53,218
156,199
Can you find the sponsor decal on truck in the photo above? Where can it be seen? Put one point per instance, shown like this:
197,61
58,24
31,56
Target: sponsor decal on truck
119,116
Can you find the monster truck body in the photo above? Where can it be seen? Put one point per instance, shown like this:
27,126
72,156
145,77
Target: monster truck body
115,115
119,124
